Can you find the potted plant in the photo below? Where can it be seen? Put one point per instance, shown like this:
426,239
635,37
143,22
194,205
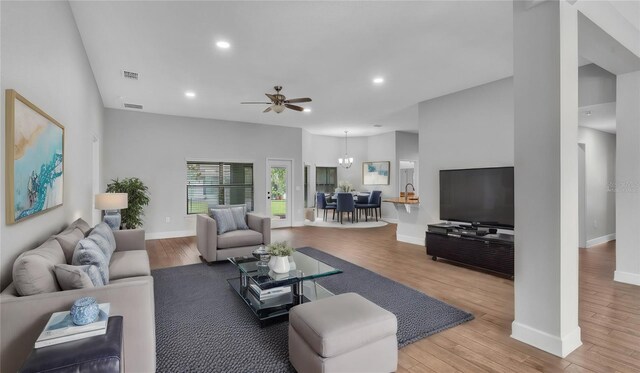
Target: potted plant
137,196
280,252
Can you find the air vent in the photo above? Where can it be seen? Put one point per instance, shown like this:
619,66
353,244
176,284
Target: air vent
132,106
130,75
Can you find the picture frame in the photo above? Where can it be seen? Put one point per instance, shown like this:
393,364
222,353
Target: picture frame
34,159
376,173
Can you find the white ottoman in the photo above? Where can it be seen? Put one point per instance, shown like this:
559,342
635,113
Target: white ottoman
344,333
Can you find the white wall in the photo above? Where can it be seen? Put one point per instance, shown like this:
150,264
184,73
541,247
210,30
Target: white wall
468,129
600,163
383,148
596,86
155,148
44,60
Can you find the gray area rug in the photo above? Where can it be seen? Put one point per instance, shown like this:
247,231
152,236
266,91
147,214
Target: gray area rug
203,326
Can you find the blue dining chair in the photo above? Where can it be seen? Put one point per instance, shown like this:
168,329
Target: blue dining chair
321,204
345,204
362,201
373,203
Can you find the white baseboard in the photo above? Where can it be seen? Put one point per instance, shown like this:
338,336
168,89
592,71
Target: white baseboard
545,341
627,277
410,239
600,240
170,234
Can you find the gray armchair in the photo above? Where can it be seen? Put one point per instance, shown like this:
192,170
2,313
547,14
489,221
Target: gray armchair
214,247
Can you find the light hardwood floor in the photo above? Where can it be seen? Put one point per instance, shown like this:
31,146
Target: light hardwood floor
609,311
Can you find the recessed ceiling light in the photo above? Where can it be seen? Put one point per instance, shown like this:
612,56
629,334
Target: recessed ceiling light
378,80
307,110
223,44
190,94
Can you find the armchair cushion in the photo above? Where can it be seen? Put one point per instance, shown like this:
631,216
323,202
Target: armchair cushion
224,219
239,238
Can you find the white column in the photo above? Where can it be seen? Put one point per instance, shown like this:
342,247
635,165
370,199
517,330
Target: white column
628,178
546,175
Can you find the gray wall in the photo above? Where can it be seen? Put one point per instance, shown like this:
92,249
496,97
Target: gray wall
155,148
600,163
43,58
596,86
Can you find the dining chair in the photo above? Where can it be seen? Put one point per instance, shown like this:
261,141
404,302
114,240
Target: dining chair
321,204
362,201
345,204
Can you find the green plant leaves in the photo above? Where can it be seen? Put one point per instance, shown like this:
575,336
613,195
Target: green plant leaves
138,198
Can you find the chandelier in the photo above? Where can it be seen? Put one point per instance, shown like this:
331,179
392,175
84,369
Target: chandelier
347,161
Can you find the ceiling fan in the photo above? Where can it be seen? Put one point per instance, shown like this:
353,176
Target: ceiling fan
279,102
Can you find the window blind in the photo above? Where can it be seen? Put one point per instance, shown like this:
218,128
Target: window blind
218,183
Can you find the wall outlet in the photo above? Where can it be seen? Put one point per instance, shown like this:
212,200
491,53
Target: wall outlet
167,219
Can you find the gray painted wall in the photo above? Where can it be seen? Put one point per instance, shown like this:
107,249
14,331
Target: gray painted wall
596,86
600,164
155,148
44,60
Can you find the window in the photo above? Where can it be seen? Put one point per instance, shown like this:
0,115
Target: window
326,179
218,183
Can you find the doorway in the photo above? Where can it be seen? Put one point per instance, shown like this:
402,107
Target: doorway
279,196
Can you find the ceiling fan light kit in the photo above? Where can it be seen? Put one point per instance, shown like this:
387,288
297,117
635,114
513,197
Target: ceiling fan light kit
279,102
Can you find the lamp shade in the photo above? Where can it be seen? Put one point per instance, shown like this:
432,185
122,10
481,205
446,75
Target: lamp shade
111,201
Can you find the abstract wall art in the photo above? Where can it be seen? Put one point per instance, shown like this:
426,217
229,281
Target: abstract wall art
375,173
34,159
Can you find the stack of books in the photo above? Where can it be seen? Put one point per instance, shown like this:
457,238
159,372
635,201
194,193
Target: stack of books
61,329
269,293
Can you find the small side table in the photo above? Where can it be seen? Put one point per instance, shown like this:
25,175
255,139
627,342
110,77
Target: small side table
102,353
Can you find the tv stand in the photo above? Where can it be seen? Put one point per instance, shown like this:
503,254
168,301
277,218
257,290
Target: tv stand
493,252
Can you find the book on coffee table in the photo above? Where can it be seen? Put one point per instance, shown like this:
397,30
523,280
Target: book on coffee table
269,293
61,329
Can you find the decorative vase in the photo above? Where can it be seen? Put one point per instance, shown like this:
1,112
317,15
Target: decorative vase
84,311
281,264
272,262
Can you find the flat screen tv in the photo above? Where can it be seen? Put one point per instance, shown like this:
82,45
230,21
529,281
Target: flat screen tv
481,196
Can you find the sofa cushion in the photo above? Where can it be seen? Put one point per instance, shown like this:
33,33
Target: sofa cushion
104,245
129,264
239,238
342,323
33,271
240,217
105,231
82,225
72,277
68,239
88,253
224,220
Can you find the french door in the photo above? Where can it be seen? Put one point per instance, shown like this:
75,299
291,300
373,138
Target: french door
279,192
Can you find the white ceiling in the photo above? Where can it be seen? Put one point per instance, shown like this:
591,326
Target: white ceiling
329,51
601,117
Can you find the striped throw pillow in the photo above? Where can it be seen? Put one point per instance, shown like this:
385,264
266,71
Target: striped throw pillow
224,220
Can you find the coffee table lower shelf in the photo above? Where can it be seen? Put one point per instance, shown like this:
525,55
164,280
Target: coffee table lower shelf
277,308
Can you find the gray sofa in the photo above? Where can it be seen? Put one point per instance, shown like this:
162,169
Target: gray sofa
130,292
214,247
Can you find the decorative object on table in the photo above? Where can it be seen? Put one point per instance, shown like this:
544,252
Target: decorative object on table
137,196
346,161
111,203
345,186
84,311
375,173
280,251
61,327
263,256
34,161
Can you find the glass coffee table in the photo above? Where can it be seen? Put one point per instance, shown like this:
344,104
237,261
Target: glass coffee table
270,295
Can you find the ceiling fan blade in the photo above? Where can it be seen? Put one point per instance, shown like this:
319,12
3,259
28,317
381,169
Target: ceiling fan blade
294,107
296,100
267,110
271,97
265,103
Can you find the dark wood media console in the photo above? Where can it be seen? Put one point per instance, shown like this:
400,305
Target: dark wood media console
493,252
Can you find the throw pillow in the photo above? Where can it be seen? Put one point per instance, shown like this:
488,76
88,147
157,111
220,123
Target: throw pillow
103,244
88,253
224,220
33,270
82,225
105,231
72,277
68,239
239,217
